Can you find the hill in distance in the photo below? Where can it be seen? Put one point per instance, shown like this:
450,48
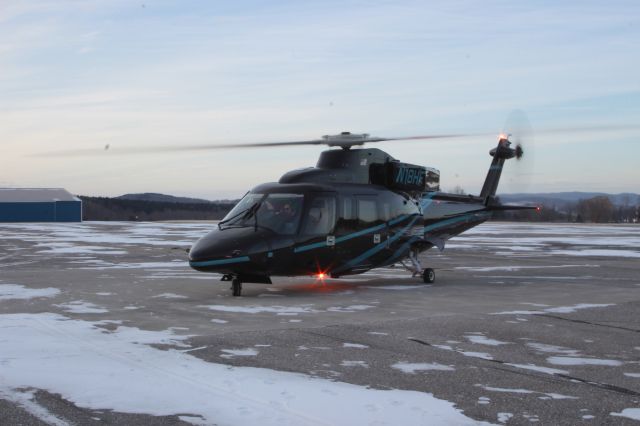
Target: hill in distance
161,198
563,198
548,198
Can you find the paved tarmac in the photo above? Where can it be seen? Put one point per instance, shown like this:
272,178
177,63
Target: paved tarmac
524,324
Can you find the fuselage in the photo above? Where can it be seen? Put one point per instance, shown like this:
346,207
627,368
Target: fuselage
288,229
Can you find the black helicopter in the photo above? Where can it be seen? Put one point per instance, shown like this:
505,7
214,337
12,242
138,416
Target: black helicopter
356,210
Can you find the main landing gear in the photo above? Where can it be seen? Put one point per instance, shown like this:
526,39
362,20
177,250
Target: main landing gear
428,274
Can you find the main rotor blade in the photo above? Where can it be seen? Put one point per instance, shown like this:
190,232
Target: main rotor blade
337,140
121,150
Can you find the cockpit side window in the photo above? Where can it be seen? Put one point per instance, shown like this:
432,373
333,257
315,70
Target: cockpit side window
321,216
281,213
277,212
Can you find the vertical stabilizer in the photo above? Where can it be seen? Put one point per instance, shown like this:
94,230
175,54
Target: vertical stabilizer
500,154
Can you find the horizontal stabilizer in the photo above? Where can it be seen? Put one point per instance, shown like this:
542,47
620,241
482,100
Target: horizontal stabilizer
508,207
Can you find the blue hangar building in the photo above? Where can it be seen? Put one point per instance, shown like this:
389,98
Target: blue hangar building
39,205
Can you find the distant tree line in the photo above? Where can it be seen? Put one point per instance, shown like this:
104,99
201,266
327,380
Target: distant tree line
597,210
103,208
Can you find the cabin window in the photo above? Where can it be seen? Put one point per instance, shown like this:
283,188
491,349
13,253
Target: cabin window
367,209
321,216
347,209
386,211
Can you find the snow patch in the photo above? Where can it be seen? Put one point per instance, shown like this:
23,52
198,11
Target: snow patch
557,310
397,287
17,291
411,368
504,417
483,340
481,355
231,353
559,396
351,308
547,395
630,413
354,345
553,349
82,307
506,390
170,296
303,309
532,367
354,364
567,360
101,370
25,400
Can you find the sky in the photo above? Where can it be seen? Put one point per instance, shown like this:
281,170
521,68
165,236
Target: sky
84,74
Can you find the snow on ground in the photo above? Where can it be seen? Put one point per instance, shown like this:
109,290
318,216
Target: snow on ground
354,345
504,417
568,360
557,310
483,400
602,240
546,395
567,357
354,364
634,375
481,355
64,248
17,291
411,368
170,296
630,413
302,309
285,310
231,353
483,340
553,349
82,307
118,371
532,367
397,287
519,268
110,233
25,399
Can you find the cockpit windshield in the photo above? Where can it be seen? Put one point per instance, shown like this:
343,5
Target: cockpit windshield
278,212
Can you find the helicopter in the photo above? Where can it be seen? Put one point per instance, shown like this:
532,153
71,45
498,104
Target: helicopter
356,210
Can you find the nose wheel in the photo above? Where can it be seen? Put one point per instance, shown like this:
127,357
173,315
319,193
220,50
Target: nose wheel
236,287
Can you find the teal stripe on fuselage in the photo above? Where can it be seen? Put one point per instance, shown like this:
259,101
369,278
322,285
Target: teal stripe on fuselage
350,236
457,219
220,261
378,247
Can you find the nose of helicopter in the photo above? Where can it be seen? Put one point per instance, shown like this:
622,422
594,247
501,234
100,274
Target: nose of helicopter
227,250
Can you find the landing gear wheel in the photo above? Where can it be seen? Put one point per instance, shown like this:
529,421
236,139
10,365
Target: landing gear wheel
236,287
428,275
